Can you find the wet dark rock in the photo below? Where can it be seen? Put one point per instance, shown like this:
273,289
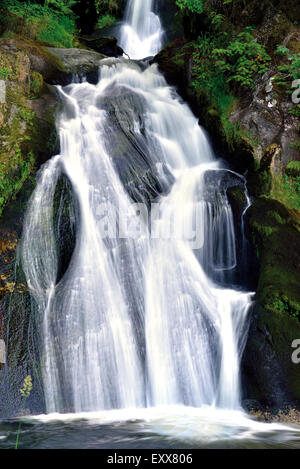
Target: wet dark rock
269,372
252,405
72,62
132,150
65,219
104,45
222,180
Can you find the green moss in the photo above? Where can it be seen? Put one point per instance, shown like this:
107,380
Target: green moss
293,169
282,328
22,135
43,23
286,188
105,21
36,84
276,234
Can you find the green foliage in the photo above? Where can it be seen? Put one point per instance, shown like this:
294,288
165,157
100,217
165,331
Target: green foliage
223,63
105,21
25,391
63,7
295,111
6,73
292,67
11,184
286,189
293,166
108,7
207,77
27,387
242,60
282,305
281,50
7,68
195,6
217,19
26,114
275,232
53,22
238,62
36,83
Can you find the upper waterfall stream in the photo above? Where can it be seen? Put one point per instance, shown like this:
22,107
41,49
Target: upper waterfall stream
141,35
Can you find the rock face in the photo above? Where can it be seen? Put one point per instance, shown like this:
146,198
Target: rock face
104,45
132,152
27,116
76,61
56,65
269,372
269,121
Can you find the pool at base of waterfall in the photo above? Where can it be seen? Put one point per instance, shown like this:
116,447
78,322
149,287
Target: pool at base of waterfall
172,427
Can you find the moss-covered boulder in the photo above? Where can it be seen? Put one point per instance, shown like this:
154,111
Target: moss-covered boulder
174,61
269,372
55,65
75,61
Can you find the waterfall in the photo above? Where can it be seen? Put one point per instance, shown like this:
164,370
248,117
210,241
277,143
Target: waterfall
142,314
141,35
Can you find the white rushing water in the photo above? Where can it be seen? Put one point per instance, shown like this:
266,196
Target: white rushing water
146,320
141,35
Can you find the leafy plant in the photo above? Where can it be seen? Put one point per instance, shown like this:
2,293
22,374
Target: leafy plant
53,22
25,392
108,7
242,60
105,21
282,50
286,189
292,67
195,6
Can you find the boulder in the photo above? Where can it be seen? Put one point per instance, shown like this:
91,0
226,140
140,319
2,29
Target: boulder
75,62
270,375
104,45
133,153
56,65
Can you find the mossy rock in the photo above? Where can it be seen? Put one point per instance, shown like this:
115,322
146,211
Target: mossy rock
275,231
27,113
238,202
172,61
55,65
74,61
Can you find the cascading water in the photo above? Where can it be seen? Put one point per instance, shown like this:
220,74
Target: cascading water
143,320
141,35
